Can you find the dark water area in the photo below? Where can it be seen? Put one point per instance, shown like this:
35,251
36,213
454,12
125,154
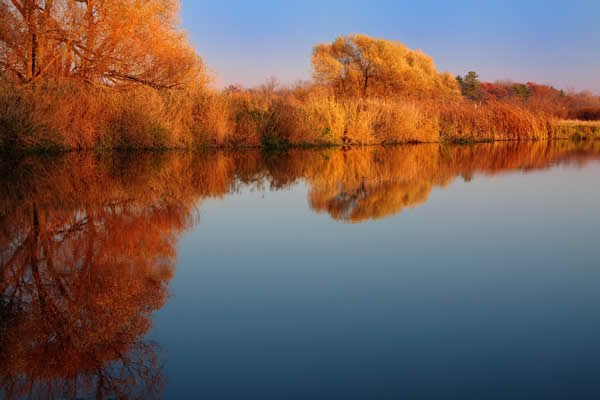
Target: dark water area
418,272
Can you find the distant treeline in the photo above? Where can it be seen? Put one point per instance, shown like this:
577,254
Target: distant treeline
582,105
112,75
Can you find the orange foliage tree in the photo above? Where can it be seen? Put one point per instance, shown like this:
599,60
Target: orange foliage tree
359,64
105,42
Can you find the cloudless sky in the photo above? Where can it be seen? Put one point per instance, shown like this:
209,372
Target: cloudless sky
553,42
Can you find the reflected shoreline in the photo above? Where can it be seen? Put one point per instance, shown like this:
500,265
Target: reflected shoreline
88,241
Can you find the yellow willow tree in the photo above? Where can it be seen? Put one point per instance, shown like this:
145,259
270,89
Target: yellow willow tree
361,65
105,42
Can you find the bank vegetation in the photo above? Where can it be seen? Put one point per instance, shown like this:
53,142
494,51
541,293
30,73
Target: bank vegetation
116,75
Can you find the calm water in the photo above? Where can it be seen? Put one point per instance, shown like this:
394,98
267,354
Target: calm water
419,272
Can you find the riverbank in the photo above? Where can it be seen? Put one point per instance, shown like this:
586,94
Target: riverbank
62,116
578,130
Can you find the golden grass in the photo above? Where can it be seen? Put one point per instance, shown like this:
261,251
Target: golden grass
325,119
575,122
577,130
489,122
67,115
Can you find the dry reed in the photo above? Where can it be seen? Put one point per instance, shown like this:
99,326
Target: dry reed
70,115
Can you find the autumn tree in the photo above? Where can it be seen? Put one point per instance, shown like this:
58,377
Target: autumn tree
361,65
104,42
491,91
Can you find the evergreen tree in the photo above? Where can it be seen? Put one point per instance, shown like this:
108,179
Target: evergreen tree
469,85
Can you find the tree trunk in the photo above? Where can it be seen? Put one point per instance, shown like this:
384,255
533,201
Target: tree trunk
34,54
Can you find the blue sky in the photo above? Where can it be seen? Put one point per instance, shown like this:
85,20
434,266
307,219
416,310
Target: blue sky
554,42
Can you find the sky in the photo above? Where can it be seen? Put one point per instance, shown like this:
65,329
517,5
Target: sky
551,42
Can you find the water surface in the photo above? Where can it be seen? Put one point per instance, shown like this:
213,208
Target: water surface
418,271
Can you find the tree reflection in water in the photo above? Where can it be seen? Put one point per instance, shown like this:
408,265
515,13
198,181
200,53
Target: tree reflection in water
88,249
87,242
360,184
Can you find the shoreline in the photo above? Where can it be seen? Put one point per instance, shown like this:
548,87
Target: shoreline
577,136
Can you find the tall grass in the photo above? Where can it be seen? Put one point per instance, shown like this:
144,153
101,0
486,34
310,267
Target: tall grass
324,119
68,115
327,120
488,122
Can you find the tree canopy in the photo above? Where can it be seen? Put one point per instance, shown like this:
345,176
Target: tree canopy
106,42
361,65
470,85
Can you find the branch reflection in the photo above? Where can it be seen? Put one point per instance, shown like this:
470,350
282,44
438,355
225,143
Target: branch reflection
88,241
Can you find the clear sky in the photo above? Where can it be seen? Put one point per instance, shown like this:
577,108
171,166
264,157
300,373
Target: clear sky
554,42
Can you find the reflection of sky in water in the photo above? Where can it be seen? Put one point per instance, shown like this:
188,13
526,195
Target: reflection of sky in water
487,290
